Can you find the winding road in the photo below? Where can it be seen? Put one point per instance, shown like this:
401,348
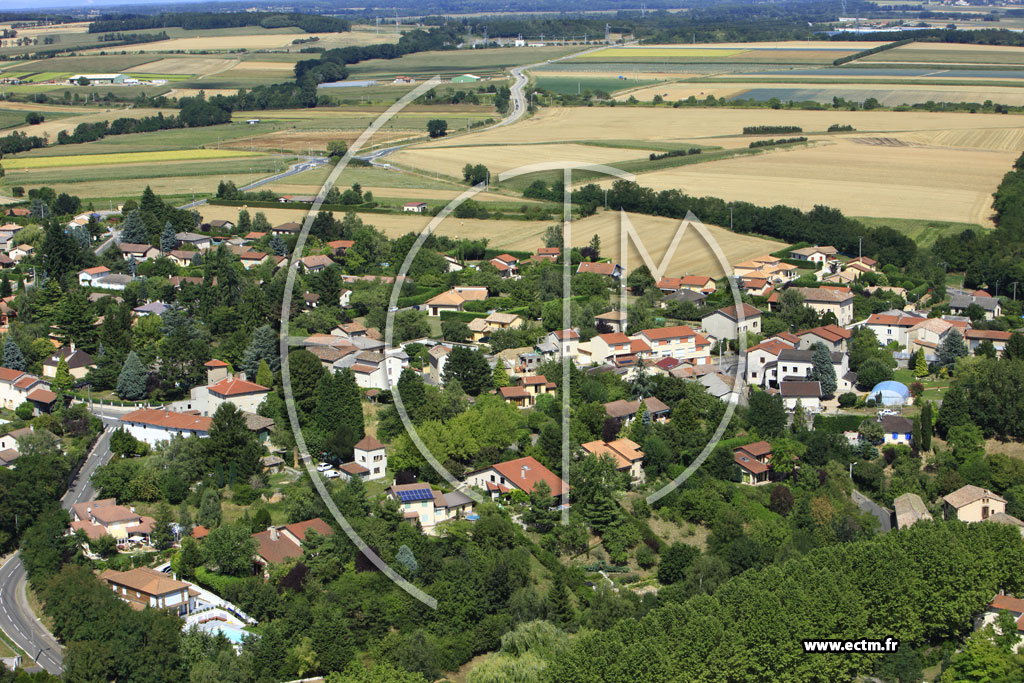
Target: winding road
17,620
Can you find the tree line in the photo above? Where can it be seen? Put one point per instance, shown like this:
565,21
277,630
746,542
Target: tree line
310,23
195,112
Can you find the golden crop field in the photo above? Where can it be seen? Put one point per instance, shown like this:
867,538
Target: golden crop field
450,160
996,139
563,125
186,65
303,140
29,163
52,127
615,52
860,175
1002,94
417,193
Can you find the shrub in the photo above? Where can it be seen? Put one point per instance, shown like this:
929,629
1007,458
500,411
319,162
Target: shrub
847,400
24,411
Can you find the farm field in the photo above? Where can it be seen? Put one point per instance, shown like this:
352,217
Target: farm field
879,179
449,160
560,124
949,53
910,93
692,255
449,62
56,123
122,158
924,232
579,83
792,52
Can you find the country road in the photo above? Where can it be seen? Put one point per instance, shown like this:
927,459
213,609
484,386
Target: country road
17,620
299,167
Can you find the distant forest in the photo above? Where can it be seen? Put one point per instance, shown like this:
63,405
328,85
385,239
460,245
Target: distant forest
310,23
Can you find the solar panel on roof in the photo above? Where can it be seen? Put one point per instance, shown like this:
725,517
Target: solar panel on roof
414,495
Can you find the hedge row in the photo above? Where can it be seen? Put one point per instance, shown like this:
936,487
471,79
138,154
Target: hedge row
872,51
221,585
837,424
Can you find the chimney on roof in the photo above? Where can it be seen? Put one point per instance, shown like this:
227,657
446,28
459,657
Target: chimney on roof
274,533
72,346
522,471
132,508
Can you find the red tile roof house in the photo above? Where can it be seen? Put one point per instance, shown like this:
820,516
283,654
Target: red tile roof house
678,341
245,395
153,425
724,323
607,268
520,474
281,543
143,587
1003,603
834,338
626,453
997,337
106,518
694,283
507,265
754,462
141,252
315,263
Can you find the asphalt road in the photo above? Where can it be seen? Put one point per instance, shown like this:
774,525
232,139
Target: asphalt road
300,167
17,620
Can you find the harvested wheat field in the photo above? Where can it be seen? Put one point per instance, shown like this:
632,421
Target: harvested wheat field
560,125
862,176
302,141
51,128
184,65
253,65
450,160
886,94
408,193
996,139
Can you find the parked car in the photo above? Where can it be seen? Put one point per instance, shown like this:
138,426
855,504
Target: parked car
332,474
887,411
323,467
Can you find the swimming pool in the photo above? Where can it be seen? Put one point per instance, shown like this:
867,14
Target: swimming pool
232,633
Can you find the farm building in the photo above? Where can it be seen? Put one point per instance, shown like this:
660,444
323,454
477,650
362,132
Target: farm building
97,79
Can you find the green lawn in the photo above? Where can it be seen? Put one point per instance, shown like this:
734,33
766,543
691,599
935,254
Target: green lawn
934,388
924,232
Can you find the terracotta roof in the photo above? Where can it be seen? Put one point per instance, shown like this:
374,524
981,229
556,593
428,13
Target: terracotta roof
614,338
341,244
810,251
1007,602
316,261
566,334
252,256
96,270
368,443
611,315
169,419
215,363
965,495
994,335
639,346
290,226
200,531
449,298
353,468
526,472
772,346
534,379
674,332
827,294
748,463
831,333
41,395
900,321
606,268
623,451
936,325
233,386
144,580
284,548
9,375
758,449
363,369
549,251
513,392
730,311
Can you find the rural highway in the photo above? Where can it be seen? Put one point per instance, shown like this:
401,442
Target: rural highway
518,103
17,620
308,164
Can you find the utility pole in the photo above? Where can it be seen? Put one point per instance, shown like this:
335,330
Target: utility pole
730,218
860,244
1014,290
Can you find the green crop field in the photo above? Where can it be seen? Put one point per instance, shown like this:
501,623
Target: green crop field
198,169
924,232
570,85
450,62
10,118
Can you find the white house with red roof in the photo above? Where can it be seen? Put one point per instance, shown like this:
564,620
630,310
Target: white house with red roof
997,337
89,275
561,343
608,348
693,283
223,387
678,341
105,517
1003,603
892,326
626,453
17,387
507,265
371,456
153,425
834,338
520,474
762,361
607,268
754,462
